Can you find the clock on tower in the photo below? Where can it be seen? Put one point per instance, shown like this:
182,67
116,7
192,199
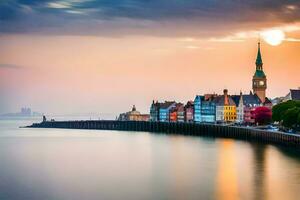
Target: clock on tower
259,80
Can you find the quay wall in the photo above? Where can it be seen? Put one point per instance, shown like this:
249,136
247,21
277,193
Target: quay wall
193,129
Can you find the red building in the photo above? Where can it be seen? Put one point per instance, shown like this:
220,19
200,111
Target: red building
189,112
248,115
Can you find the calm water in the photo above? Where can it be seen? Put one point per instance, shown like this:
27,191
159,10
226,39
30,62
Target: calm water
91,164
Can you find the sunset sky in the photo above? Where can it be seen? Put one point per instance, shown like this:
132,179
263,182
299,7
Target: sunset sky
103,56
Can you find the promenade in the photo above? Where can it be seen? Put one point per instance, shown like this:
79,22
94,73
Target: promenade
193,129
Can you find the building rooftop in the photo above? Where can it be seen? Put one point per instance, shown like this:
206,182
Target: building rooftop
224,100
248,99
220,101
295,94
260,74
267,101
258,57
166,104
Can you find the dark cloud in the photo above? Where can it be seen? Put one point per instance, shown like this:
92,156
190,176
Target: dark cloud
135,16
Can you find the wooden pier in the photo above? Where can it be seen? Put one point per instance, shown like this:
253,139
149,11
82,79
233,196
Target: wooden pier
194,129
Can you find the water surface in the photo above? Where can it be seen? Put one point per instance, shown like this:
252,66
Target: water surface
95,164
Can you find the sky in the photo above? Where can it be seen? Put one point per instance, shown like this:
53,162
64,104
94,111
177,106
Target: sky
103,56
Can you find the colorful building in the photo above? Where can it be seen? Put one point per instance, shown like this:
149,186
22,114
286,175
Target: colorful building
164,110
133,115
225,108
189,112
173,115
204,108
177,113
180,112
246,104
208,109
197,108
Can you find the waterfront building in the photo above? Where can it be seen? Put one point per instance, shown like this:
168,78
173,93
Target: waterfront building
173,115
180,112
205,108
164,110
246,104
208,109
225,108
154,111
293,95
259,80
189,112
133,115
197,108
239,102
177,113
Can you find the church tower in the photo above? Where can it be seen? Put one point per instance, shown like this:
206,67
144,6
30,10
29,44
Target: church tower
259,80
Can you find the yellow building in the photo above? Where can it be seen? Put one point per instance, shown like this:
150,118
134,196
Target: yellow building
229,113
225,108
133,115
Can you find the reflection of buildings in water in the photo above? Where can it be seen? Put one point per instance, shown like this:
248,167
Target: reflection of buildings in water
187,179
271,174
172,167
281,175
259,164
227,182
178,180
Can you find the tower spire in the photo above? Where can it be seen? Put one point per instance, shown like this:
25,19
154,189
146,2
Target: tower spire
259,62
259,80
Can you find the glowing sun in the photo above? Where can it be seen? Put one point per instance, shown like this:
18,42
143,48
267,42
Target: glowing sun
273,37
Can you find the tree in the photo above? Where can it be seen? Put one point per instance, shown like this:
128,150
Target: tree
262,115
290,117
288,114
279,110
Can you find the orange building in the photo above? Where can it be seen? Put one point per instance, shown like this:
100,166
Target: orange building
177,113
173,115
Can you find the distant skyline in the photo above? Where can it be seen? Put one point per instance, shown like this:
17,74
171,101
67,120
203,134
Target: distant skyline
88,56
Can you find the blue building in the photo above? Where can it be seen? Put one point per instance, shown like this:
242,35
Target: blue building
204,108
164,110
197,108
208,111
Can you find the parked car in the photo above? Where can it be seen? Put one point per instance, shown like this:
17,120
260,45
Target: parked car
290,131
272,128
